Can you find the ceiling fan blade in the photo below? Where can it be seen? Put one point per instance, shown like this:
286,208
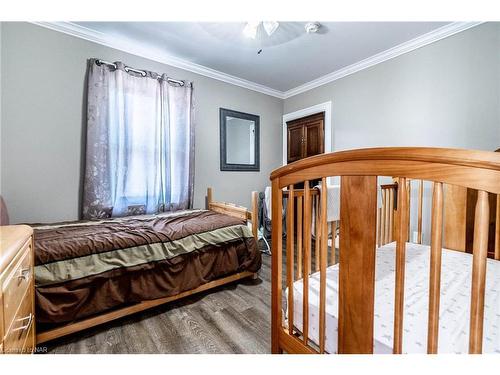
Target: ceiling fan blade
250,30
270,27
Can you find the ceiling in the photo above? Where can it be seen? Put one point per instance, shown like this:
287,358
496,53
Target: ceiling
289,58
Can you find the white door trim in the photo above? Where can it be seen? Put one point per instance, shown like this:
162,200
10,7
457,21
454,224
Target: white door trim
323,107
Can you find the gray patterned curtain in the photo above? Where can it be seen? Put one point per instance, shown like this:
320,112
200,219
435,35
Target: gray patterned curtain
140,143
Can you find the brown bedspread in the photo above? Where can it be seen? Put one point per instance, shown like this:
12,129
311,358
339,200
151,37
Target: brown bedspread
85,268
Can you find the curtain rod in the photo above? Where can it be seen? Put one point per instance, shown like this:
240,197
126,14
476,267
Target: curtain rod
141,72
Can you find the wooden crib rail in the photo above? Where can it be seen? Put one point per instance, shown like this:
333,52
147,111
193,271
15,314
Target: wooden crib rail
401,238
360,235
468,168
435,268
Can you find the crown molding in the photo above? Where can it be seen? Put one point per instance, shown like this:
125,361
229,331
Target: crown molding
159,56
411,45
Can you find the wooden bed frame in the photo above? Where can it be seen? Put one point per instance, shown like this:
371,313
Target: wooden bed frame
363,227
221,207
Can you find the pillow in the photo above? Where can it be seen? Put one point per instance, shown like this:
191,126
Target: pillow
98,213
136,209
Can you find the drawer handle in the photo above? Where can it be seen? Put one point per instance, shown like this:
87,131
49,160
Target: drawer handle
26,326
24,273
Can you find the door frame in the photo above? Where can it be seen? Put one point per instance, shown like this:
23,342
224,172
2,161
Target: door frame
322,107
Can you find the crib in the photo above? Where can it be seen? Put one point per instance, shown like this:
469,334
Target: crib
365,225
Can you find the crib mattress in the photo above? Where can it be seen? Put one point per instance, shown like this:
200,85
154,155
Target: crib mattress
454,307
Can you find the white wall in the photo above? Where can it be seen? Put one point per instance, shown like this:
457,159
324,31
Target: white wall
444,94
44,113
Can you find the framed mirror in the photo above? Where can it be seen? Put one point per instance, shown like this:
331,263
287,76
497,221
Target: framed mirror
239,141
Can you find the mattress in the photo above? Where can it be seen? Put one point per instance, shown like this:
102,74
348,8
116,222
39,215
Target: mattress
85,268
454,304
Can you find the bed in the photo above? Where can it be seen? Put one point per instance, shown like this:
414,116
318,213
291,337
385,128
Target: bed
386,294
87,273
454,309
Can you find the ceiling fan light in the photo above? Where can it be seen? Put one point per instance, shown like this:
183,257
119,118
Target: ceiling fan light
270,27
250,29
312,27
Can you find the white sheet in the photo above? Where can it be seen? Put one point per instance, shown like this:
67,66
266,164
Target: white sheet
454,307
332,202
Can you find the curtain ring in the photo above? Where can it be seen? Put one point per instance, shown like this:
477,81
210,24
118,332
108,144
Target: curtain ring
100,62
141,72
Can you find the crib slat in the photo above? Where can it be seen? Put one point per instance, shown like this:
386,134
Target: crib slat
497,229
402,228
387,216
391,215
290,256
335,226
379,225
337,235
420,206
299,236
276,265
408,207
323,265
332,250
358,212
382,221
435,271
307,262
480,252
318,234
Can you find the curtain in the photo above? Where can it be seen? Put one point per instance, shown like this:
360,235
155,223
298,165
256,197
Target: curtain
140,138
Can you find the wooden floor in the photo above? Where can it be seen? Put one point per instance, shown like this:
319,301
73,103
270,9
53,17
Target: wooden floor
235,318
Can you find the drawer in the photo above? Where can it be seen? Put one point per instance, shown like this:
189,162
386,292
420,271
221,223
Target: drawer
17,282
21,326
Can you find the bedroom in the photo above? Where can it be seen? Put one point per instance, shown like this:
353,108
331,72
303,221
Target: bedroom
91,112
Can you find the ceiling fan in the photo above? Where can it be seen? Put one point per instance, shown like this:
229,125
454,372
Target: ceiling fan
251,31
252,27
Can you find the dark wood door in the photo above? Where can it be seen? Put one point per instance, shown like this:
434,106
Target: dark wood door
314,139
295,143
306,137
